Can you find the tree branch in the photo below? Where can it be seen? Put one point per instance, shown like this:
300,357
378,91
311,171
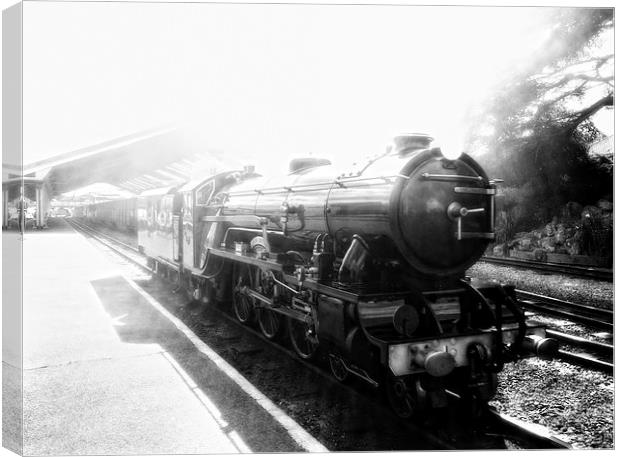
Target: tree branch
590,78
603,60
585,113
600,61
574,76
563,96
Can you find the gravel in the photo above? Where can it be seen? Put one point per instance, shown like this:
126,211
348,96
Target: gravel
576,404
569,288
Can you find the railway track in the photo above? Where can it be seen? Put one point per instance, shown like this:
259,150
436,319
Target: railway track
591,354
591,316
496,425
602,274
582,352
597,355
538,437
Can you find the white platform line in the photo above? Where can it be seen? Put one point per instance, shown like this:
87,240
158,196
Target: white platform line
297,433
215,413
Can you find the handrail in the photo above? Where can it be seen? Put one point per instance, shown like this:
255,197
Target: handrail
324,185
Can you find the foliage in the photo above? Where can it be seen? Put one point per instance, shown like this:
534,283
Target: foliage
537,125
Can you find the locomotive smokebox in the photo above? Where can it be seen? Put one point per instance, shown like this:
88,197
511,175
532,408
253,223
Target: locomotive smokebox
433,237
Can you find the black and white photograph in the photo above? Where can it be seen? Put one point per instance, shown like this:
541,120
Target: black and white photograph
307,227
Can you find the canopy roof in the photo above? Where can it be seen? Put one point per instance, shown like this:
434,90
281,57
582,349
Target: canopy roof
136,163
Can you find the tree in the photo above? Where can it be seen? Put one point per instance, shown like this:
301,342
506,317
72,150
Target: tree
537,125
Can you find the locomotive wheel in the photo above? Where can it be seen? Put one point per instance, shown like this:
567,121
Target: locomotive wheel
302,338
402,400
243,304
338,368
270,323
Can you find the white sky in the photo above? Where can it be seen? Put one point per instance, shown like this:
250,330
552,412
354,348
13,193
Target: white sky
268,81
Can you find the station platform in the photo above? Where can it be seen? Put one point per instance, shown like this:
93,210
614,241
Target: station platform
106,371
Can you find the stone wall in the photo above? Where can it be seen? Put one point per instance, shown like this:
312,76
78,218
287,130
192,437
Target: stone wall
579,235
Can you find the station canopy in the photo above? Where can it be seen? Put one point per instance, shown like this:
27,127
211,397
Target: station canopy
134,163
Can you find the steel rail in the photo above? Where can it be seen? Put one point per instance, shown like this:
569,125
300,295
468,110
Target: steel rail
140,261
540,436
585,360
87,227
584,314
602,274
577,341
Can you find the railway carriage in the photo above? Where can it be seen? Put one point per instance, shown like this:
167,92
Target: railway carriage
364,265
118,214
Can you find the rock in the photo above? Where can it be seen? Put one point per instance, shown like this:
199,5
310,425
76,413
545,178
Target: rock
573,246
550,229
548,244
560,234
498,250
524,244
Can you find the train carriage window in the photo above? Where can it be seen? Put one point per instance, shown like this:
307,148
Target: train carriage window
203,195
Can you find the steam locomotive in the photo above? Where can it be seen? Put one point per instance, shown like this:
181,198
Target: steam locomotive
365,266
